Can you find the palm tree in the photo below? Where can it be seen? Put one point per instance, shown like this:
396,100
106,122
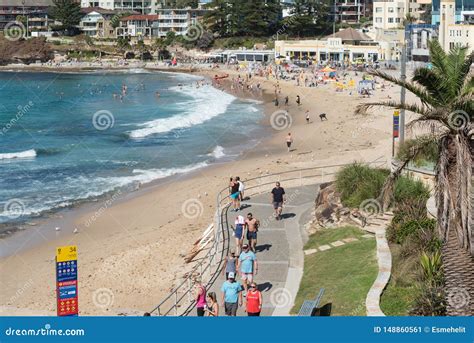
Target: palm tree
445,95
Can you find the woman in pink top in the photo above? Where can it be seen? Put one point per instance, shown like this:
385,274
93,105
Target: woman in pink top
200,299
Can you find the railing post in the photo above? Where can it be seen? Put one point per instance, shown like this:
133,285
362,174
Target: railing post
176,303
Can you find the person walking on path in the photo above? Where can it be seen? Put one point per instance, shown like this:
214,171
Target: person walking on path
212,309
231,295
252,224
278,198
307,117
200,299
253,301
239,232
289,141
287,100
247,265
241,188
234,194
298,100
230,264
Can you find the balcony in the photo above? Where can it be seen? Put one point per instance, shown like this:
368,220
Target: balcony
173,16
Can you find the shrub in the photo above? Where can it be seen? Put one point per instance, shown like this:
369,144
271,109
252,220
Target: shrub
358,182
407,188
430,301
412,228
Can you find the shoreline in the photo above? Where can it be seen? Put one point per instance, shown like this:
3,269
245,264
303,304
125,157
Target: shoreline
142,238
66,216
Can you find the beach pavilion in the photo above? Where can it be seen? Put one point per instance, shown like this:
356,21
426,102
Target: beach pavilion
346,45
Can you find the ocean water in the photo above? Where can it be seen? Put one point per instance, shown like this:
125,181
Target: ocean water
65,138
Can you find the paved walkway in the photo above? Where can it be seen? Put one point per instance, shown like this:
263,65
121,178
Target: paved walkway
279,248
384,259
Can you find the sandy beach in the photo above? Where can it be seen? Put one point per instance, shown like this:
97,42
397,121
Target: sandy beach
133,246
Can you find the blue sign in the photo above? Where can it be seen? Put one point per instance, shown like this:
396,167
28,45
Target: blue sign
66,271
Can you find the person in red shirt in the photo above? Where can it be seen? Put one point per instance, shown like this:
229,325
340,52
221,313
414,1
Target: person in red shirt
253,301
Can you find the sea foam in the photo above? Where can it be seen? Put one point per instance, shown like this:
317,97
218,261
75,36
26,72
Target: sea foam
207,103
23,154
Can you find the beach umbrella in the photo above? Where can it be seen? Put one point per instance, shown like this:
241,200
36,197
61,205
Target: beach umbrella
328,70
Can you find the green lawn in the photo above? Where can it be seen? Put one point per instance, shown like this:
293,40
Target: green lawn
400,293
346,272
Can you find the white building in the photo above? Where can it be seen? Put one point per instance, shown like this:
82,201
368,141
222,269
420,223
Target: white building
389,14
347,45
450,33
96,22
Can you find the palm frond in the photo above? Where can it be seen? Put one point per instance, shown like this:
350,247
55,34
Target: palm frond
364,108
422,94
433,83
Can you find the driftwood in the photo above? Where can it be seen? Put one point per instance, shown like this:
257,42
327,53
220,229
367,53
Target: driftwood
200,244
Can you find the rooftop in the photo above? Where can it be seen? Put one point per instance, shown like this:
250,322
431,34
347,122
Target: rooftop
350,34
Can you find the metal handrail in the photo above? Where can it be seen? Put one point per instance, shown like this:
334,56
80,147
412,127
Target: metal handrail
221,244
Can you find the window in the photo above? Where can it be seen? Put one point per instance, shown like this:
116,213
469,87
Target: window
390,20
451,45
378,19
390,10
378,9
397,20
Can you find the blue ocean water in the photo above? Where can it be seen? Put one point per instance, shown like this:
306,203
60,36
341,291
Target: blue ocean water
66,138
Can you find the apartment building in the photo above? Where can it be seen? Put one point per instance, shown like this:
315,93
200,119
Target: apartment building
158,25
96,22
451,32
349,11
34,10
390,14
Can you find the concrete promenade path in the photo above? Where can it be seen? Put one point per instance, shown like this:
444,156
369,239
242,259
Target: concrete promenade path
279,248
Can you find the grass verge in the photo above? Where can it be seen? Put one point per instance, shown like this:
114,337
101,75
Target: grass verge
346,272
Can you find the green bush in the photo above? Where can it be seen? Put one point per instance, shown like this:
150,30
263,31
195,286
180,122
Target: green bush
413,227
358,182
408,188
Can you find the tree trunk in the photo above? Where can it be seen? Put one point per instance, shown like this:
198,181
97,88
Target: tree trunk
389,185
453,189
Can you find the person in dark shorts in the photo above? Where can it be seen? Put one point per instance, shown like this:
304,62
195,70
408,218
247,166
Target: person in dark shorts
289,141
231,295
234,194
252,225
298,100
278,198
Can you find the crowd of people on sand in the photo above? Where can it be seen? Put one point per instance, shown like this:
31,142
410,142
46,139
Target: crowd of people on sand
241,262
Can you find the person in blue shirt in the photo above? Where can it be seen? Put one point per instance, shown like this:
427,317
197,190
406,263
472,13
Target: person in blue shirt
247,265
231,295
